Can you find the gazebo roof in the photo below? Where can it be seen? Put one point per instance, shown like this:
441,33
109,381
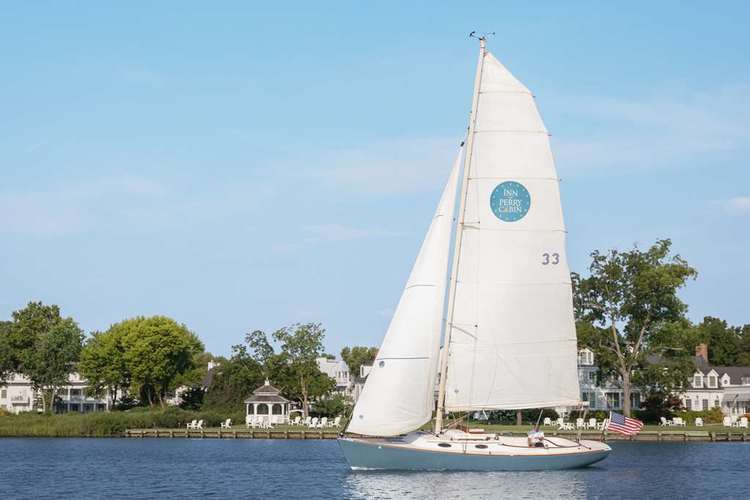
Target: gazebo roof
266,393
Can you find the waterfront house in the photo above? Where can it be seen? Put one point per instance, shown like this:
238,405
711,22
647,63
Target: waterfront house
725,387
338,370
605,394
18,396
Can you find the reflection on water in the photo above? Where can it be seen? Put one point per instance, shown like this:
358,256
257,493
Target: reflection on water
469,485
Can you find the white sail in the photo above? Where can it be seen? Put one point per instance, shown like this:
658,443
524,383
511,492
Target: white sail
399,394
512,338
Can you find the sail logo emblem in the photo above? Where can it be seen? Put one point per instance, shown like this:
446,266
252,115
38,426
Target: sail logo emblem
510,201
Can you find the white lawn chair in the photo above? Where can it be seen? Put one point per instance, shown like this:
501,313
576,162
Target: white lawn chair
727,422
251,421
226,424
678,422
314,422
559,422
665,423
296,421
698,422
265,424
192,425
591,424
336,422
742,422
547,421
567,426
602,425
307,422
323,422
199,425
580,423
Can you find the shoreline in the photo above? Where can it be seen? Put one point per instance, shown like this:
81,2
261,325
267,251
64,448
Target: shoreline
643,436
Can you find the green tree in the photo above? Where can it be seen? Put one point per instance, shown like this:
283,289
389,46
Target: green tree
355,357
261,350
6,360
233,381
28,324
43,346
628,296
332,406
157,350
301,345
49,364
744,357
103,363
149,355
724,341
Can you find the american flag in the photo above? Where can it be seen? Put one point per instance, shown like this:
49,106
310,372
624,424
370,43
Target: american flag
623,425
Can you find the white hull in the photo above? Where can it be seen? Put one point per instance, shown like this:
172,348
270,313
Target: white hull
464,452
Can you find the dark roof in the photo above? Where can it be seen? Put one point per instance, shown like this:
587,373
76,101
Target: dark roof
266,393
266,398
736,373
266,389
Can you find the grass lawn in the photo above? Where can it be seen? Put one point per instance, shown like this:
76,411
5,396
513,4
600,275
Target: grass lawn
549,429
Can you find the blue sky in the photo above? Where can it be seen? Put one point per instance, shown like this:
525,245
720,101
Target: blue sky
253,165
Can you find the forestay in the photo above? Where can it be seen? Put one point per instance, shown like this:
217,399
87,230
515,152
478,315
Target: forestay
400,390
512,339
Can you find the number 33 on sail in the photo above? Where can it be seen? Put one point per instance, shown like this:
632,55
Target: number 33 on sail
507,326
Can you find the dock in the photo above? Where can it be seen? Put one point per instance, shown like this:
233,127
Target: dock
232,433
241,433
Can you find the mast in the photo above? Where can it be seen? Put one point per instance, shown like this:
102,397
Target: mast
459,236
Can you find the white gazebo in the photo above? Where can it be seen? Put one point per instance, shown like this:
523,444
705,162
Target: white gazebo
267,404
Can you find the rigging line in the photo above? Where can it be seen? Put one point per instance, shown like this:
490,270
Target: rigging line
501,131
521,230
521,92
519,177
419,285
402,358
533,342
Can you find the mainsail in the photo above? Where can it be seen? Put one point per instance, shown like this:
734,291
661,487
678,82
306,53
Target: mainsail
512,335
399,395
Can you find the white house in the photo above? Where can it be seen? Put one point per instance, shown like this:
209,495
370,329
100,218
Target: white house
338,371
725,387
605,396
18,396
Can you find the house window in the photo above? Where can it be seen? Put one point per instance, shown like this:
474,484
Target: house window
688,404
745,380
3,393
585,357
635,400
613,400
712,382
698,381
75,393
590,397
705,404
717,404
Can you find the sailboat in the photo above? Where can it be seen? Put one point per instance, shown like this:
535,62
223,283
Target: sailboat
492,281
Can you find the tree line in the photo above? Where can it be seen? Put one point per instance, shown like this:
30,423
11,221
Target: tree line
627,310
143,360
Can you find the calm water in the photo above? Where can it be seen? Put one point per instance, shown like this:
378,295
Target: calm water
182,468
